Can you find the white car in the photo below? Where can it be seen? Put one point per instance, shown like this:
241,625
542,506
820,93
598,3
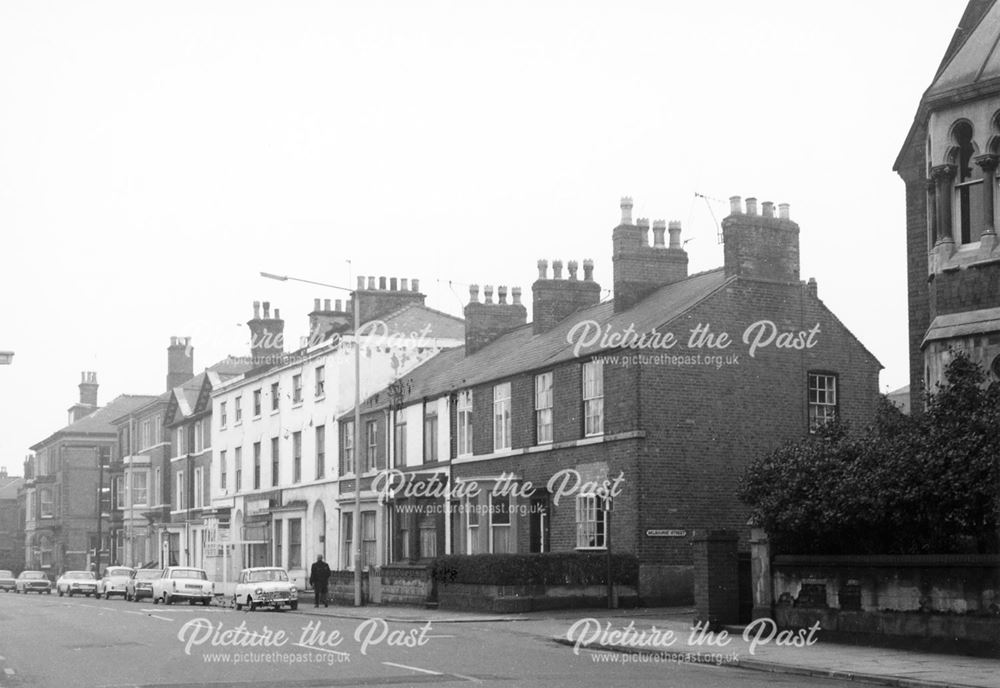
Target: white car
115,582
183,583
266,586
76,583
33,581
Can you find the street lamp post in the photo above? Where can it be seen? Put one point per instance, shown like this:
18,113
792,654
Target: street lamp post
356,525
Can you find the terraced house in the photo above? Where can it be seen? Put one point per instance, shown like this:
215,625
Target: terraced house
276,459
617,424
68,487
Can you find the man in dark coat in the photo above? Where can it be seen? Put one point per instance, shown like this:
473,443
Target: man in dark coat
319,577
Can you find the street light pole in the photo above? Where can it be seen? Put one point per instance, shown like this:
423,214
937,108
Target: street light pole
356,525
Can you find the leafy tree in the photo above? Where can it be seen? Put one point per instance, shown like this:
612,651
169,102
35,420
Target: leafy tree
926,484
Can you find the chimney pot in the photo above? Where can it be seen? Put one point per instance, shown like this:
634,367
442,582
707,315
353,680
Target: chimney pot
393,284
659,228
783,211
414,284
572,267
626,207
751,206
502,294
515,295
404,284
336,305
256,310
543,269
557,269
316,304
371,283
767,209
488,293
267,309
277,314
473,293
381,283
735,205
588,270
326,305
361,282
812,288
674,227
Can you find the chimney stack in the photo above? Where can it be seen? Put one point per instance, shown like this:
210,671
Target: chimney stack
555,299
88,388
639,268
392,294
325,320
180,361
486,321
811,288
761,247
267,335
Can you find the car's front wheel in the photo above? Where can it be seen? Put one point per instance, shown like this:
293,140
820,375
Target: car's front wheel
167,599
205,601
293,606
237,603
251,605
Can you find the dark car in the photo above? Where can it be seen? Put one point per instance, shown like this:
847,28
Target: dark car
7,582
140,585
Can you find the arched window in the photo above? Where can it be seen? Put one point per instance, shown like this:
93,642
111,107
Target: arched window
968,186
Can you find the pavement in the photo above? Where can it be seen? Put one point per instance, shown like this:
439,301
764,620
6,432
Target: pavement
668,631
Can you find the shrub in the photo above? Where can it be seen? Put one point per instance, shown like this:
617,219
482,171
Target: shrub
558,568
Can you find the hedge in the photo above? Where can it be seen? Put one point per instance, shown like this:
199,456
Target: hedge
562,568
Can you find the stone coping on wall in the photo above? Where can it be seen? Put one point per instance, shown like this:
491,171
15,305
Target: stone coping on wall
888,560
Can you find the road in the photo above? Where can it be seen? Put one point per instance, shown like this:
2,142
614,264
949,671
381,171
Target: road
82,642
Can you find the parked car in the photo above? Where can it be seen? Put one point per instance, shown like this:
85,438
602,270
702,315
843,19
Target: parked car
33,581
140,585
114,582
76,583
7,581
266,586
183,583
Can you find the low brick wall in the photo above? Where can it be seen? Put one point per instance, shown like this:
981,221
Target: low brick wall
925,598
403,584
341,587
502,599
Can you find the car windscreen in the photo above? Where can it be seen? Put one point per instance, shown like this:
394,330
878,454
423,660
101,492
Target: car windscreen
6,574
188,573
148,574
79,575
268,575
33,575
118,572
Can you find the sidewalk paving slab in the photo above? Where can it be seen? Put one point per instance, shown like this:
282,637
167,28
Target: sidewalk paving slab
881,666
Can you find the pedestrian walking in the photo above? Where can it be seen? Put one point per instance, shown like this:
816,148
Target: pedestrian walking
319,577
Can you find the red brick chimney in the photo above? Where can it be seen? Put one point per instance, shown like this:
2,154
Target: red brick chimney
88,397
641,268
760,247
267,339
180,361
486,321
554,299
386,295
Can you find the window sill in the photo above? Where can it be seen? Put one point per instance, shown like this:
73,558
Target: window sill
534,449
320,397
591,549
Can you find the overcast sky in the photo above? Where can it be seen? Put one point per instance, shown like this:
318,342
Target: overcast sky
155,156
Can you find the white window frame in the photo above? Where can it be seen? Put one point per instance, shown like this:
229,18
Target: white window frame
823,391
472,524
158,486
181,492
138,491
501,417
493,524
593,398
199,487
464,429
297,389
120,496
543,408
222,414
589,527
223,470
258,402
238,410
350,457
320,382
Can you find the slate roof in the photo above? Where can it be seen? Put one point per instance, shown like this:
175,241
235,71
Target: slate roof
973,56
521,350
100,422
9,487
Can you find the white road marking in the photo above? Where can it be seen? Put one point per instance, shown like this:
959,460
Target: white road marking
323,649
413,668
8,671
110,609
161,618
